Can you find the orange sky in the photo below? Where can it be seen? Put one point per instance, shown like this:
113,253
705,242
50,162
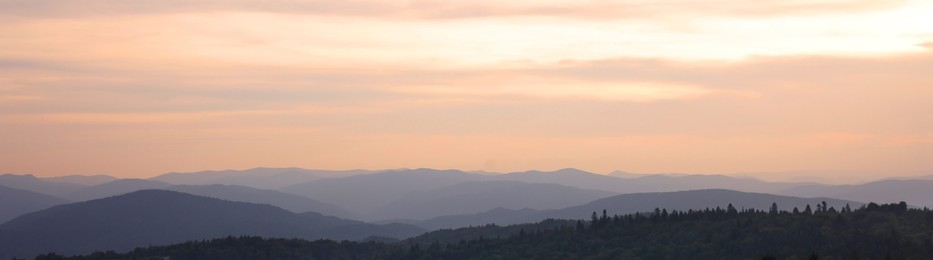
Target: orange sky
838,89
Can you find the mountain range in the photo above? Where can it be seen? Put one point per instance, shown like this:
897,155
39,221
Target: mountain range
74,214
160,217
636,202
15,202
260,178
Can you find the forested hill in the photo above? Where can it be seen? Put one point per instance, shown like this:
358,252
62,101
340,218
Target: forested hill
889,231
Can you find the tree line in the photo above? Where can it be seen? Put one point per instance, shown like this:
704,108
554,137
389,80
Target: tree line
873,231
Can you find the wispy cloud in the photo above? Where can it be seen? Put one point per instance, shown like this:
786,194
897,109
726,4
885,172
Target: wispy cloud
432,9
671,85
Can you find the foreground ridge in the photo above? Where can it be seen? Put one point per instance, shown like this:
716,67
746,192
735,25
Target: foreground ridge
871,232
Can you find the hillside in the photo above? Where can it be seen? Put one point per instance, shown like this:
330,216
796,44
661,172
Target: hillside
363,194
695,199
15,202
875,232
638,202
290,202
154,217
481,196
114,188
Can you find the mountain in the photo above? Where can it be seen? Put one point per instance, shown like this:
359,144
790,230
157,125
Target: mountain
154,217
290,202
571,177
622,182
636,202
625,175
916,192
365,193
86,180
694,199
480,196
31,183
114,188
660,183
15,202
261,178
876,232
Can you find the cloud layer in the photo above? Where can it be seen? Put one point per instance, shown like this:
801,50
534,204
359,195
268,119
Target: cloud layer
137,88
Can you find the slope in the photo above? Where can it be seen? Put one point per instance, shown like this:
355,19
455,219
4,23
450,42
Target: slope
15,202
153,217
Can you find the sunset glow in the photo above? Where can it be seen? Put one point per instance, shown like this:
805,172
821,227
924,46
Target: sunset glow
840,88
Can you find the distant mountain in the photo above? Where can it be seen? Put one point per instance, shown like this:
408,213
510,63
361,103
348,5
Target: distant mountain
661,183
481,196
86,180
154,217
637,202
261,178
384,191
625,175
290,202
621,182
114,188
694,199
571,177
31,183
15,202
914,192
365,193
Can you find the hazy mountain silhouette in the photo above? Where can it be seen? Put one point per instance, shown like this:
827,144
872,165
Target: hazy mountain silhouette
480,196
261,178
290,202
15,202
660,183
31,183
365,193
114,188
86,180
637,202
915,192
153,217
625,175
634,183
694,199
570,177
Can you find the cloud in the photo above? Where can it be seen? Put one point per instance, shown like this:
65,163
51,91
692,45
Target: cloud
126,118
763,72
626,92
435,9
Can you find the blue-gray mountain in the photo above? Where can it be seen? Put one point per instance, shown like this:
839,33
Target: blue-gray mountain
260,178
31,183
291,202
364,194
480,196
636,202
15,202
154,217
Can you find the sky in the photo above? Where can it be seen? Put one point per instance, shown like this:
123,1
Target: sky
838,89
